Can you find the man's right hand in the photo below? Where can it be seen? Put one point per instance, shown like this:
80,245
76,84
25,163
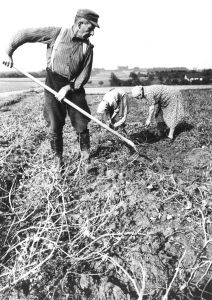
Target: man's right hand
7,61
62,92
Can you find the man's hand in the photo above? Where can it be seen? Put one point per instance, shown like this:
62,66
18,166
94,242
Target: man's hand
62,92
7,61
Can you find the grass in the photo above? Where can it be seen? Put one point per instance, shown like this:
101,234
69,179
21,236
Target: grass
129,227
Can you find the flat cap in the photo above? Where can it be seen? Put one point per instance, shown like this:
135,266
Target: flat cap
89,15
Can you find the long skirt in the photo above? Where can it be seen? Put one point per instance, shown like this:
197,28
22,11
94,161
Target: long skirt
173,112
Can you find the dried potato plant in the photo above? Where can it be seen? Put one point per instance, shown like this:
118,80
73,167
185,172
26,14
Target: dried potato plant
128,227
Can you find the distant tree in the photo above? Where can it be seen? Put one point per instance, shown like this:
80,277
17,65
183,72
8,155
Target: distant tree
101,82
161,78
114,80
39,74
20,75
127,82
207,72
207,76
151,77
134,79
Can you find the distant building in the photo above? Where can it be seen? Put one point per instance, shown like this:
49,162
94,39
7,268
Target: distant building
139,70
136,69
193,77
122,68
97,70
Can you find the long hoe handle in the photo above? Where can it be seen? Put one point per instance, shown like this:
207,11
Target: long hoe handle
77,108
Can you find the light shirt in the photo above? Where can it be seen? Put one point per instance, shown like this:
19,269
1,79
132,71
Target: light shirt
111,99
70,58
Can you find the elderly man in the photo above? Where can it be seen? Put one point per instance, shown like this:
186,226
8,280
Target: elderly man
69,64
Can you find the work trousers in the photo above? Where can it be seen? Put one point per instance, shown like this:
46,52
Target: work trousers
55,111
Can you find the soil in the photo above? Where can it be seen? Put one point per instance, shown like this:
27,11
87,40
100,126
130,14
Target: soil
128,225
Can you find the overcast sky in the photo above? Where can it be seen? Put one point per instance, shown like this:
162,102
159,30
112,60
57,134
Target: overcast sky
143,33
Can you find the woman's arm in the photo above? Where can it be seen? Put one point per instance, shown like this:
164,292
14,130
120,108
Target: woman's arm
103,113
151,112
114,114
125,112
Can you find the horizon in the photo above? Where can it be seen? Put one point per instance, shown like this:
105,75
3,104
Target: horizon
150,34
11,70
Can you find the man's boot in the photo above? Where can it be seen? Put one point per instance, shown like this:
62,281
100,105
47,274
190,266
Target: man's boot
84,141
58,159
56,143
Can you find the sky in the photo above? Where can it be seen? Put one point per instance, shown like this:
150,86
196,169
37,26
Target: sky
133,33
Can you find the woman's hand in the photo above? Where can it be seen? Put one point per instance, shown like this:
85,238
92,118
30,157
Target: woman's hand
109,124
117,124
149,118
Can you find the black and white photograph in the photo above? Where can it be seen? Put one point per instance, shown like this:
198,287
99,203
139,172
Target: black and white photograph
106,150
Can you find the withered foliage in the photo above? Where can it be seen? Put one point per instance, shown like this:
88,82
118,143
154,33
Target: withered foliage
128,226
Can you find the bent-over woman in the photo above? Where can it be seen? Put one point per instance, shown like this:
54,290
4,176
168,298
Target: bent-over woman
114,108
165,102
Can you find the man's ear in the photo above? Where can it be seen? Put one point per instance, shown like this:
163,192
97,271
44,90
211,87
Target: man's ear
79,24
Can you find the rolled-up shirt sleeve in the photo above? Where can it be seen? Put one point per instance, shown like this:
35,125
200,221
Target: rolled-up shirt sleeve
85,73
32,35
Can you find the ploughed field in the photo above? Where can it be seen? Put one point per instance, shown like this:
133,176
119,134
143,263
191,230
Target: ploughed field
129,226
16,84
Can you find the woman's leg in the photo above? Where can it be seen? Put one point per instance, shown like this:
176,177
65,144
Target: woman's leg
171,133
161,125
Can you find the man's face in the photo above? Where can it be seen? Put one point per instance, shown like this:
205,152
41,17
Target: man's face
85,29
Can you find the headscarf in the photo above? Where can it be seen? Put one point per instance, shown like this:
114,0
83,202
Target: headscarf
137,91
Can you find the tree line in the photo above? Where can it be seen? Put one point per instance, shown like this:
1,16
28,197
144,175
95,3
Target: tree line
39,74
168,77
153,76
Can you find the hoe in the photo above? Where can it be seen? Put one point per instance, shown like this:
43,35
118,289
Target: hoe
127,141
